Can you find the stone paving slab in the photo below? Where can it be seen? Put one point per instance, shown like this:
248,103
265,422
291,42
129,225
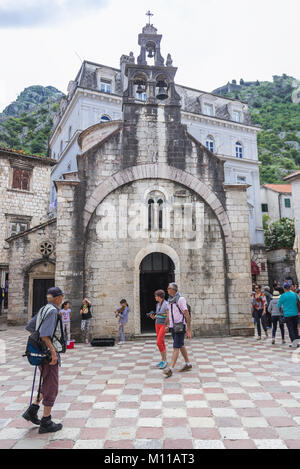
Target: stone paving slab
239,394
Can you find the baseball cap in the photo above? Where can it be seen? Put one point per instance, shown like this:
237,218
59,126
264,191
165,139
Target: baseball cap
286,286
55,291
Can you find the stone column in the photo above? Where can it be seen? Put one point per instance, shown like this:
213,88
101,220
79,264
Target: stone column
239,282
70,248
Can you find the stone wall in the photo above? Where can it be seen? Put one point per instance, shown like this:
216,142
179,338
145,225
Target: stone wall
32,205
112,257
281,264
259,256
25,258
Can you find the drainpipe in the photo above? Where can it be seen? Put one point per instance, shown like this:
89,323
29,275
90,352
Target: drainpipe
279,200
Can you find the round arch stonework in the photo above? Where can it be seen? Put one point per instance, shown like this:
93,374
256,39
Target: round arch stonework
154,247
159,171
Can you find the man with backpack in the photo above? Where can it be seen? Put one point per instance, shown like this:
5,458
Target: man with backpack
179,322
48,322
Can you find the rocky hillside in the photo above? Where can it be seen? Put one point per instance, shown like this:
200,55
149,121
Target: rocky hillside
26,123
275,106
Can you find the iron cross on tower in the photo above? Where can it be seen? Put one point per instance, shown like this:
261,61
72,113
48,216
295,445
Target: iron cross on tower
149,14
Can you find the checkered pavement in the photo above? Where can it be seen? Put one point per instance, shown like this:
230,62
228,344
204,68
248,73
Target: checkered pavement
239,394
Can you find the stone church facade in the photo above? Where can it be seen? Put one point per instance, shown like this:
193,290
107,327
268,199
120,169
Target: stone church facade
148,205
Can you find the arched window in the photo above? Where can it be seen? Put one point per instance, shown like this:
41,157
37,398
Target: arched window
155,211
105,118
150,214
210,143
239,150
160,214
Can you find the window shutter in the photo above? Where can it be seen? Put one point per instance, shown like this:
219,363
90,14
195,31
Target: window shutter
16,179
25,180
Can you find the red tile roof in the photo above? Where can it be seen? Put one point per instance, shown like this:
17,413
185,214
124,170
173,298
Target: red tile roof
291,176
285,188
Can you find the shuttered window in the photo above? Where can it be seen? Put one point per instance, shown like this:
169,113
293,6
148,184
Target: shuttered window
21,179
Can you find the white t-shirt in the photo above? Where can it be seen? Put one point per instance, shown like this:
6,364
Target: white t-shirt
65,315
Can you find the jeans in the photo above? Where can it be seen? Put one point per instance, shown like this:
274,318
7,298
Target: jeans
275,321
292,323
257,314
121,332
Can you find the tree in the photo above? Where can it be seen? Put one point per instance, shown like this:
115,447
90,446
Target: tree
280,234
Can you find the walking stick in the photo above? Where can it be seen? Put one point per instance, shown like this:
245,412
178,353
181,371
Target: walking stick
33,385
40,385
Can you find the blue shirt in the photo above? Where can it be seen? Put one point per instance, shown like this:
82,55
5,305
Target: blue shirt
123,318
161,312
288,301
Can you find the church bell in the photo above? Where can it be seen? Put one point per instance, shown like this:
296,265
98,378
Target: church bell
140,89
162,91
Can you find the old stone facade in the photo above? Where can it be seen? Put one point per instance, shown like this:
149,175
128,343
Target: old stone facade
24,196
31,271
149,205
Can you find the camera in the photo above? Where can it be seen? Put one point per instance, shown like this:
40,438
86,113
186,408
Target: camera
149,314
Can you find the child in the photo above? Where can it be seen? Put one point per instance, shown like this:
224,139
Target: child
66,315
86,316
122,314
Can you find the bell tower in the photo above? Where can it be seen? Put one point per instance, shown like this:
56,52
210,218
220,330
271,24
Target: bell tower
154,83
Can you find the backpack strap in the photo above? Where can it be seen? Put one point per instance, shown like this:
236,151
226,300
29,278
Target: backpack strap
179,307
179,311
41,312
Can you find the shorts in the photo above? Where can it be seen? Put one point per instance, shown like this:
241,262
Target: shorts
178,339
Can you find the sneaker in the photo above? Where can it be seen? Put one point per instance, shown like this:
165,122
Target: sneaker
186,368
273,341
293,345
283,342
258,338
121,343
31,414
168,373
163,365
159,364
47,426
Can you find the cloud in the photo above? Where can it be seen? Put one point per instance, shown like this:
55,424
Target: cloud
33,13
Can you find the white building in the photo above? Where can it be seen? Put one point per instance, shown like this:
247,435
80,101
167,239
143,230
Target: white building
276,201
222,124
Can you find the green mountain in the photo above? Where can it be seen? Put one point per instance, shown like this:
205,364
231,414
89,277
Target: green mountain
275,106
27,122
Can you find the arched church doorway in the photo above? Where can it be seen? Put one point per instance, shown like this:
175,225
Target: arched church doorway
156,272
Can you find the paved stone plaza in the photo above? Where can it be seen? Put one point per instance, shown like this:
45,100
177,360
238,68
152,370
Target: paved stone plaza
240,394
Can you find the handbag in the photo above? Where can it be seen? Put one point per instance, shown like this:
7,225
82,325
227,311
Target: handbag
178,327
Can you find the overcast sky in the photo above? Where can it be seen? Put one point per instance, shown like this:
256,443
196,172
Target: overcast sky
211,41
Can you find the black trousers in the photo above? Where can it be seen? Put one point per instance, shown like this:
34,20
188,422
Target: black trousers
292,325
260,321
275,321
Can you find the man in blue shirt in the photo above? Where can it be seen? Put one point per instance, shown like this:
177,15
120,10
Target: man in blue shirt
289,303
